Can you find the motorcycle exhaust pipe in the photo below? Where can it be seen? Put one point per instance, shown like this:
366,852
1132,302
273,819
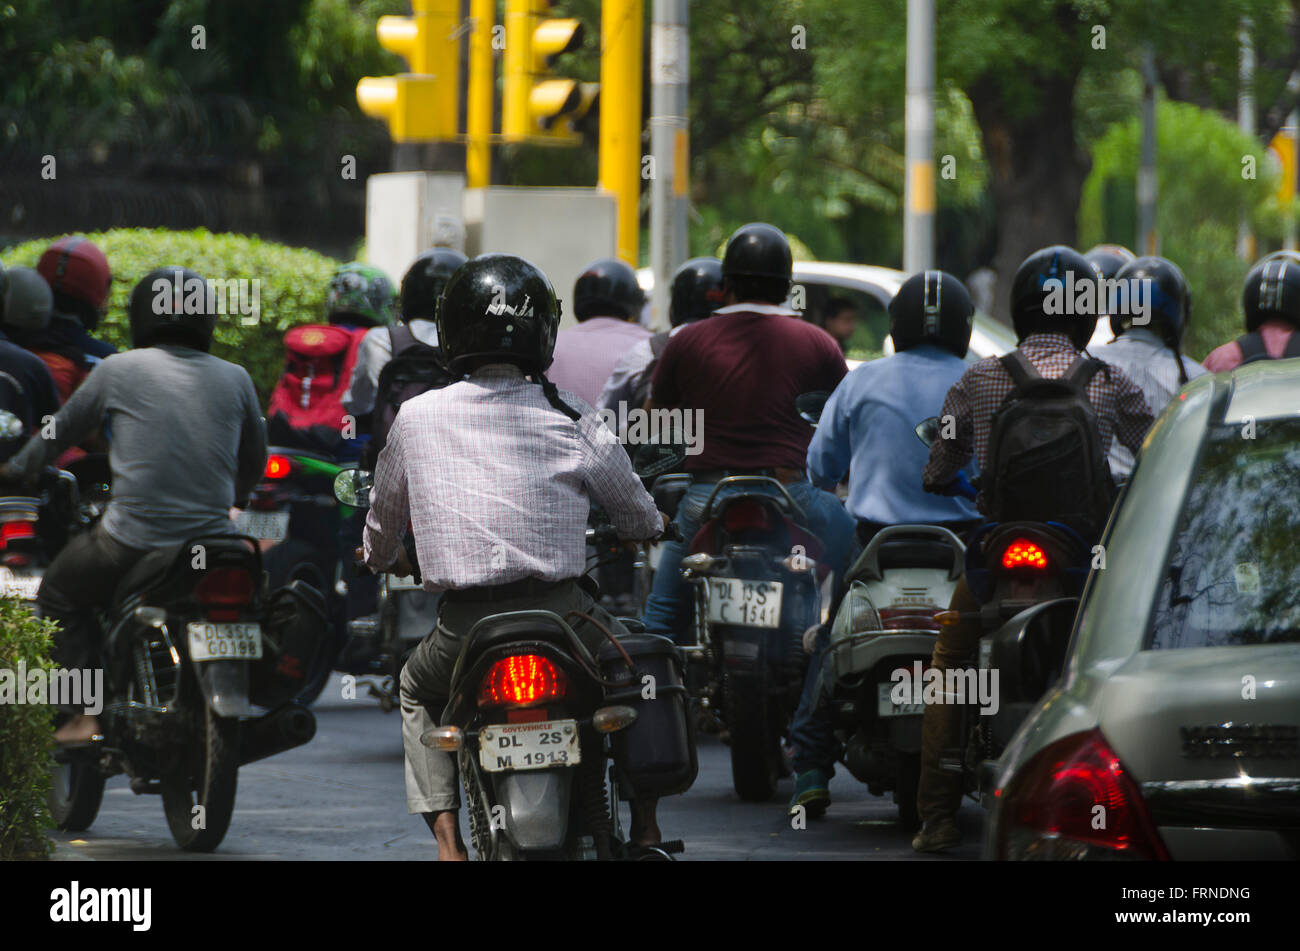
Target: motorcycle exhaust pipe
280,730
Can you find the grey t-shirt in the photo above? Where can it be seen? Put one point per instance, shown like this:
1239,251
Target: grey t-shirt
187,440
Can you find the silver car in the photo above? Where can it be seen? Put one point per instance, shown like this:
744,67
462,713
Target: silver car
1174,731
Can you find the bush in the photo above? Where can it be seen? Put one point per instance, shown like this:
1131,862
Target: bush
292,287
26,740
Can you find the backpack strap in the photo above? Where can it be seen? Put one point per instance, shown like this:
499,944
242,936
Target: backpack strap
1018,366
1082,370
1252,347
399,338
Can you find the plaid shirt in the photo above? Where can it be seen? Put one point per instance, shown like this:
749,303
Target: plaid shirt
497,484
972,402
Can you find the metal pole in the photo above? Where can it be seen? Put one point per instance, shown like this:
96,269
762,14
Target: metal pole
1147,240
478,109
669,146
1246,122
621,32
918,188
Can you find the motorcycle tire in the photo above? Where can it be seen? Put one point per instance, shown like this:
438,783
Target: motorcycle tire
909,778
208,780
755,746
76,790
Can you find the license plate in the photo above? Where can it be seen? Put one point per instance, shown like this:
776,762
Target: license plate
22,587
236,641
268,526
517,746
749,603
886,707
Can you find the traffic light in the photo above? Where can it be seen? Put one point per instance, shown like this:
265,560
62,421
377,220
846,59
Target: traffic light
419,106
537,106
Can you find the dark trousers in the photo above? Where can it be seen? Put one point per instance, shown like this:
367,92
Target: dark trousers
81,580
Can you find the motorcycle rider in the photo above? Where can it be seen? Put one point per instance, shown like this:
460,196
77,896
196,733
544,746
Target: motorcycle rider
866,431
188,442
495,475
607,301
25,305
742,370
696,293
1270,302
1150,354
79,278
1051,342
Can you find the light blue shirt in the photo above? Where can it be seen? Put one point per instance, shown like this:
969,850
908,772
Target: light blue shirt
867,429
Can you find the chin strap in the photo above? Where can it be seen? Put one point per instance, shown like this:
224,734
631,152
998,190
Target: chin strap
553,397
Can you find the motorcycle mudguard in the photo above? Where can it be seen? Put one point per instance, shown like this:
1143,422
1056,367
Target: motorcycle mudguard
536,804
224,684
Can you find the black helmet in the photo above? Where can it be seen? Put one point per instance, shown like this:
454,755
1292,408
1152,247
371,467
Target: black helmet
498,308
1169,298
1272,292
172,305
931,307
696,291
757,263
1029,294
26,301
424,280
1107,259
607,288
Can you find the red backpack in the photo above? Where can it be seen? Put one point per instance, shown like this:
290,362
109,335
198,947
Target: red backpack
306,407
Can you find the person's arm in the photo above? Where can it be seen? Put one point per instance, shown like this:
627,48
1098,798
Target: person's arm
1133,415
390,513
613,484
80,416
830,451
949,456
251,455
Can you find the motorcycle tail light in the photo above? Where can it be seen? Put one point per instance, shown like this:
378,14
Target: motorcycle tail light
746,514
1022,553
522,680
277,467
224,587
910,618
10,531
1074,801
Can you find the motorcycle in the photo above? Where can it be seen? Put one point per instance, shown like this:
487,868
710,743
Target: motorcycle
199,676
1027,577
534,716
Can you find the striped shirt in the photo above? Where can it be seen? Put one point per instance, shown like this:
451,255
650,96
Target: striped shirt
1148,362
497,484
974,400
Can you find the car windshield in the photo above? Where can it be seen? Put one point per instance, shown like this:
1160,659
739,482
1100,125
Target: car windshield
1233,573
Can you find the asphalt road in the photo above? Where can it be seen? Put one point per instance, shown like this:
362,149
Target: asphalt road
341,797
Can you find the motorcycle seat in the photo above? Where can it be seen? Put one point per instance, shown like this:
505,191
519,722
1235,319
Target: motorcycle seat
914,553
167,572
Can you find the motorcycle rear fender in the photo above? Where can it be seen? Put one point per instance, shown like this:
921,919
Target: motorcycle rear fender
860,653
536,806
224,685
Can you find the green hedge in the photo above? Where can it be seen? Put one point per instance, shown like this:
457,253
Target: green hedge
292,287
26,740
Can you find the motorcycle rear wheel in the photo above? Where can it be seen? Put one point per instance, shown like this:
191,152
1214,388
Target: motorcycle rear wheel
208,780
76,790
755,746
909,777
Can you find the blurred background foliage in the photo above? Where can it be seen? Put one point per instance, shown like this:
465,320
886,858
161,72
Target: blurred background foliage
796,118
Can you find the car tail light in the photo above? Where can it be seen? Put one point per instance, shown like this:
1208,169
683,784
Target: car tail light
1022,553
277,467
746,514
1073,800
522,680
910,618
224,587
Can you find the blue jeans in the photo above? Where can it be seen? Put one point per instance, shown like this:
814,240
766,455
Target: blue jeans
668,609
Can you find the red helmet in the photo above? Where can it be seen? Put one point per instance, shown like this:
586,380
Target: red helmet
74,266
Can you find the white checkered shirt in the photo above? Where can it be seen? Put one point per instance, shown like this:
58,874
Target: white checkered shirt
497,484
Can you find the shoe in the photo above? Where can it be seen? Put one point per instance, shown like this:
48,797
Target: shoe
810,792
939,835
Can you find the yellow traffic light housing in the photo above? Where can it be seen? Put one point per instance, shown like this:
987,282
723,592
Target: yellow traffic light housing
419,106
538,107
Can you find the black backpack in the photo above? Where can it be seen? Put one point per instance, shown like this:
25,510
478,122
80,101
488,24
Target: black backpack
1045,456
642,391
414,369
1252,347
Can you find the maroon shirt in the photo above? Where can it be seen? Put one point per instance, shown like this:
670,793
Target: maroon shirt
743,367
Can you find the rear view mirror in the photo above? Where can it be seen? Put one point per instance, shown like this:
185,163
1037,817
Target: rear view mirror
654,459
352,487
809,406
927,430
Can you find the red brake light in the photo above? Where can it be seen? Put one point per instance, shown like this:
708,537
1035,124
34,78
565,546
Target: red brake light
11,530
746,514
277,467
1074,800
224,587
1022,553
521,681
